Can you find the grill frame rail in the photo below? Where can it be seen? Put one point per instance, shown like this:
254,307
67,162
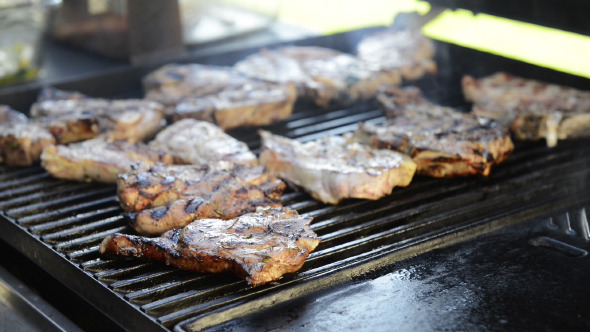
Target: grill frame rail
358,237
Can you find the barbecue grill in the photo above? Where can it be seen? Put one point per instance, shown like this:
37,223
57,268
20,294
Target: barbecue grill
509,251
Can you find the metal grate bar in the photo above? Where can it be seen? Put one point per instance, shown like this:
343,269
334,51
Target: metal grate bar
23,180
30,188
56,202
65,223
11,173
79,208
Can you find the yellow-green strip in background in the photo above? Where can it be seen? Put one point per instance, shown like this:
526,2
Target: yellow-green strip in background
332,16
547,47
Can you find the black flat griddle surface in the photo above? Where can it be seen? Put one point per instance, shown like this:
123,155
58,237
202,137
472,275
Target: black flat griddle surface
501,281
478,252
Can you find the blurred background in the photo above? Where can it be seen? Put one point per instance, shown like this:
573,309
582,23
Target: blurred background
55,39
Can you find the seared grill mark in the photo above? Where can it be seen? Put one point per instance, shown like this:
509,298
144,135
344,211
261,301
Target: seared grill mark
158,213
193,204
196,192
242,191
444,142
256,246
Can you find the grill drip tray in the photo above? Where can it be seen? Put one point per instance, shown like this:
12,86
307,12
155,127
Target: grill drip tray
478,252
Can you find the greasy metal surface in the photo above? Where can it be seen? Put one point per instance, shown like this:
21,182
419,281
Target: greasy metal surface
21,309
502,281
58,225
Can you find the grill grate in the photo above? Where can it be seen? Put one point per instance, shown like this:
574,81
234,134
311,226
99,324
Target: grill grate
73,218
60,225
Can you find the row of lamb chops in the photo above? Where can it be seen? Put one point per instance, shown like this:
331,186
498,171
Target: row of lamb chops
213,205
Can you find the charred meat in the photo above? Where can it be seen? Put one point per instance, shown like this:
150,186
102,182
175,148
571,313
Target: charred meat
231,200
99,160
202,143
323,75
532,109
71,127
168,197
332,169
22,140
132,120
219,95
261,246
406,51
21,144
443,142
162,184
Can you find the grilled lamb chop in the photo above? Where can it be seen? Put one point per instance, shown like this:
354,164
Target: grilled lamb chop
219,95
260,247
532,109
132,120
202,143
332,169
163,184
99,160
443,142
320,74
71,127
231,200
407,51
170,197
21,144
23,140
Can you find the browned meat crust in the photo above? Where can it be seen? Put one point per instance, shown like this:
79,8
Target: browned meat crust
22,140
532,109
260,247
219,95
231,200
332,169
442,141
407,51
132,120
162,184
21,144
170,197
71,127
323,75
98,160
202,143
